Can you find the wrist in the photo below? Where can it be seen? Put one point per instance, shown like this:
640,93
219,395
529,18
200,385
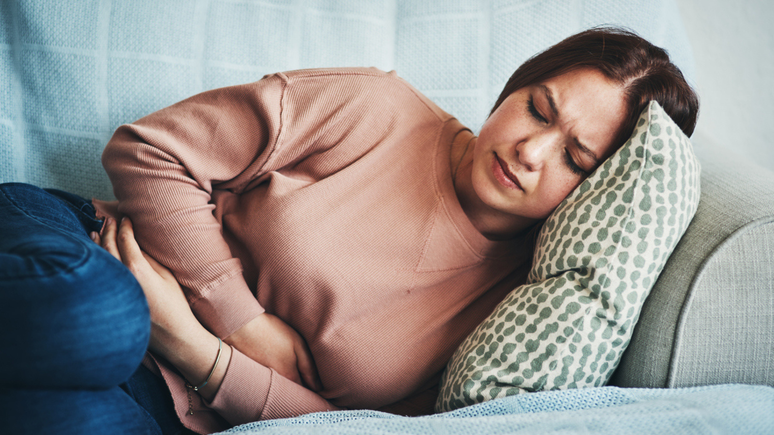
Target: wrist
180,349
192,353
214,367
246,332
192,350
216,373
203,363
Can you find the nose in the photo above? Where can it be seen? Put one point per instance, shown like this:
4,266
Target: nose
533,151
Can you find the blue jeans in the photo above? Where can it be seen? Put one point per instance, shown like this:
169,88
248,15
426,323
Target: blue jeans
74,325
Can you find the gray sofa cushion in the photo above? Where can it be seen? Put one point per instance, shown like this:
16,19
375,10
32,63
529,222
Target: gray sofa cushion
709,319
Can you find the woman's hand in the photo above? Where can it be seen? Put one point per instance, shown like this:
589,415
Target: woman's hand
271,342
170,313
176,334
181,339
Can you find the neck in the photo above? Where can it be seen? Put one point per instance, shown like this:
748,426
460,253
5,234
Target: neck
491,223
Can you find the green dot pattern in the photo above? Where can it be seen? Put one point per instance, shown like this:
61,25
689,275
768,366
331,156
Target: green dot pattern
596,259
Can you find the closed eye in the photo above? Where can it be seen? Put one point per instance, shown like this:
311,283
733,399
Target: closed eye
568,160
534,112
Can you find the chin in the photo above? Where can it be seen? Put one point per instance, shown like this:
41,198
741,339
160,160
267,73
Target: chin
492,197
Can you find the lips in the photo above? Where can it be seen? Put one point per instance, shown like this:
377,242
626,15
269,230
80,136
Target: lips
504,175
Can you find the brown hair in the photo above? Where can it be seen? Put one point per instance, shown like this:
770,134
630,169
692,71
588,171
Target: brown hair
644,70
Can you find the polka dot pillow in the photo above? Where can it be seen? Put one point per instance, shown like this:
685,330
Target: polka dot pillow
597,257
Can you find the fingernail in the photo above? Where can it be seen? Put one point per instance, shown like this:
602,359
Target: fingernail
93,236
123,219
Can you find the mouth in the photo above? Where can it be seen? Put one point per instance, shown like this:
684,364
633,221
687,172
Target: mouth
504,175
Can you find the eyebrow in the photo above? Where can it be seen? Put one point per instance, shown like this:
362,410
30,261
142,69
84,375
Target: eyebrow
552,104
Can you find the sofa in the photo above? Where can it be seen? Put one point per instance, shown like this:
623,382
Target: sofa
73,71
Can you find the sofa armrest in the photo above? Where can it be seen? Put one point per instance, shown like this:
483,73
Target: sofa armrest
710,317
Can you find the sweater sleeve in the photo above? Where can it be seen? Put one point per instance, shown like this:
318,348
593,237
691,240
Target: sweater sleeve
164,168
249,392
252,392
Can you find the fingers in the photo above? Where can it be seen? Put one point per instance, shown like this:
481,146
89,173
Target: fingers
129,250
306,367
289,372
105,208
119,241
108,238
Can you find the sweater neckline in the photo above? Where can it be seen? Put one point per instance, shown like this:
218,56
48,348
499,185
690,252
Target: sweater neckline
453,132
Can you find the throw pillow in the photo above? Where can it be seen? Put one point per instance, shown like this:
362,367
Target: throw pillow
597,257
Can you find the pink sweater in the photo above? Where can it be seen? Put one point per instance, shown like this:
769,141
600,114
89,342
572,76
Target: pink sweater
324,197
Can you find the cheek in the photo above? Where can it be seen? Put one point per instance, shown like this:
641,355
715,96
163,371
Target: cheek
555,190
482,163
479,148
480,178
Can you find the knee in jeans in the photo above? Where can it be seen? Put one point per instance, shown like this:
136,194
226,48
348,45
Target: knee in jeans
87,326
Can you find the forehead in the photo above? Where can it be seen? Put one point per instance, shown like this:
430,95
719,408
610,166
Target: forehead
590,107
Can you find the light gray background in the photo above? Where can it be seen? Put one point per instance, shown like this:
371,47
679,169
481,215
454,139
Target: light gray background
733,46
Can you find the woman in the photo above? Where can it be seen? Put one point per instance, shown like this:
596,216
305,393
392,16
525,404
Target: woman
338,235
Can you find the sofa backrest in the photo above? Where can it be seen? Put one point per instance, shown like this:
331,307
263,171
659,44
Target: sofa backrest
71,72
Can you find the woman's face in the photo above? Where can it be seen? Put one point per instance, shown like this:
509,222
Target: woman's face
544,140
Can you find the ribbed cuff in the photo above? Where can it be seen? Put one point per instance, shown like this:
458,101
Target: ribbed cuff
288,399
227,307
243,392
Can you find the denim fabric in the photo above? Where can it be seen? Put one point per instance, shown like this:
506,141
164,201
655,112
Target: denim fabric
66,412
152,394
74,327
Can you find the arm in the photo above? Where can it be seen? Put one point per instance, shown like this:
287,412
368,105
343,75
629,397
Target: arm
165,169
178,337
